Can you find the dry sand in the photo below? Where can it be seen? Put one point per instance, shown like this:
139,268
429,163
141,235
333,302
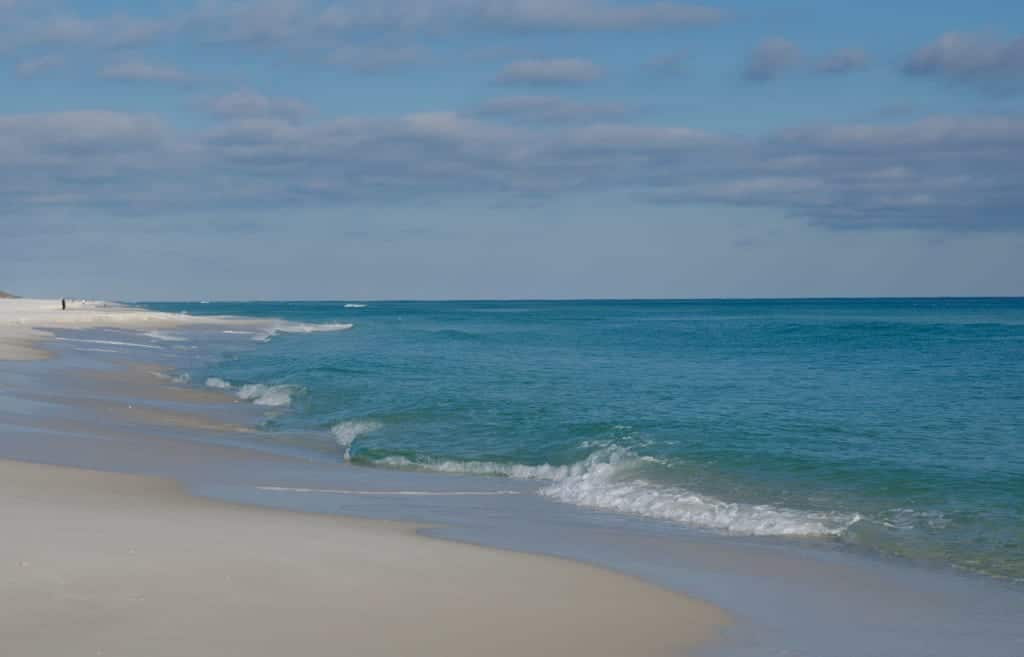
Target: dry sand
103,564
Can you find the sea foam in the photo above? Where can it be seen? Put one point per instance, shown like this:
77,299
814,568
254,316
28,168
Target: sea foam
606,480
257,393
264,395
163,336
345,433
298,327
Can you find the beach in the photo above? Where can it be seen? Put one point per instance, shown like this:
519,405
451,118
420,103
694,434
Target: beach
509,478
101,563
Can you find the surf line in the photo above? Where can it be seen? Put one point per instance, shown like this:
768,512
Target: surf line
411,493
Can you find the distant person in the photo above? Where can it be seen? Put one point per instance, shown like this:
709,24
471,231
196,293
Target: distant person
63,304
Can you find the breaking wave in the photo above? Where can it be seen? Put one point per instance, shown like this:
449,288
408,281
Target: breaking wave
355,305
345,433
608,480
257,393
297,327
264,395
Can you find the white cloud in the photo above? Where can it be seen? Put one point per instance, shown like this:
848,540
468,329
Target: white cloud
974,59
248,104
548,109
138,70
939,173
550,72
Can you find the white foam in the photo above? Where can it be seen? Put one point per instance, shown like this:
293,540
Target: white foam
164,336
404,493
220,384
355,305
264,395
182,378
115,343
603,481
297,327
345,433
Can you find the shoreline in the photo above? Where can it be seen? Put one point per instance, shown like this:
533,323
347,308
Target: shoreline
124,563
786,597
130,565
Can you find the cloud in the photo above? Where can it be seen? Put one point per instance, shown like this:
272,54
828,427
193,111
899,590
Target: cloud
33,66
254,22
377,59
248,105
550,72
770,60
939,173
971,59
138,70
842,62
108,32
515,15
80,158
548,109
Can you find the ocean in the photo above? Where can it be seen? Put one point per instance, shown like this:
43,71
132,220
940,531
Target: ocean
892,427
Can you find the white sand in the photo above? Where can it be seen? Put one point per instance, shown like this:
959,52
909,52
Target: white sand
116,565
23,322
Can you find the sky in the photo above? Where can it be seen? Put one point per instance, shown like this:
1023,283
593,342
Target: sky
439,149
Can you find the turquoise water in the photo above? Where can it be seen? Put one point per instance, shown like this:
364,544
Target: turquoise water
894,426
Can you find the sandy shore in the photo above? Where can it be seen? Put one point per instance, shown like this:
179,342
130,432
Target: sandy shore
106,564
102,564
23,322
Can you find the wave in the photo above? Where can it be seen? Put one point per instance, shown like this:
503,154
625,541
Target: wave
298,327
355,305
260,394
264,395
346,432
603,481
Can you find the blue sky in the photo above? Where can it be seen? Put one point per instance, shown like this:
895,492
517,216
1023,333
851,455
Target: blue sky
511,148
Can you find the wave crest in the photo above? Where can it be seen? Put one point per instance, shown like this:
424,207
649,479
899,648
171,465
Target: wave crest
298,327
346,432
264,395
603,481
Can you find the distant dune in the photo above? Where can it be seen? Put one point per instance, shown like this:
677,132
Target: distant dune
4,295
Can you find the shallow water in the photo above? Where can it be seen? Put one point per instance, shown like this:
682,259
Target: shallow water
891,425
795,596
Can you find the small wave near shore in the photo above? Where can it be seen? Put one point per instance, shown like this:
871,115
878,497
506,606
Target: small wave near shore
608,480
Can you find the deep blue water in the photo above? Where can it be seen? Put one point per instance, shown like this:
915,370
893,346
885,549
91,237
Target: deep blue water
894,426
